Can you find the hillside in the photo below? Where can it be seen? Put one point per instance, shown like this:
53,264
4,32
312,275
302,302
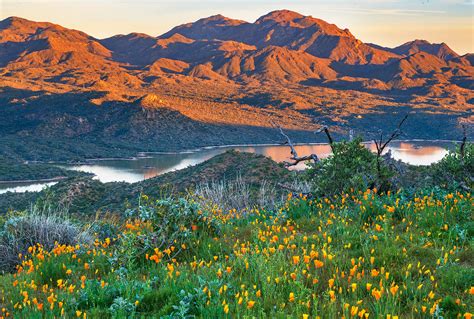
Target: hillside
84,195
216,81
369,236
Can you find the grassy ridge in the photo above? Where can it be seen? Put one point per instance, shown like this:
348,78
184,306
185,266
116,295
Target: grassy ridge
353,255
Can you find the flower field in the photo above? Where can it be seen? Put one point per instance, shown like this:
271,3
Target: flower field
358,255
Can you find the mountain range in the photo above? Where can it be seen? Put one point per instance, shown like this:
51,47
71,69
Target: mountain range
219,81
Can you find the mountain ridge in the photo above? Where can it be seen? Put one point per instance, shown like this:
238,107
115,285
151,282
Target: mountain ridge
284,68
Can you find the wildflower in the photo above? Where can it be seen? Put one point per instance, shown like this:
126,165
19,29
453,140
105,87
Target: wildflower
258,293
291,297
331,282
353,287
394,290
250,304
296,259
377,294
318,263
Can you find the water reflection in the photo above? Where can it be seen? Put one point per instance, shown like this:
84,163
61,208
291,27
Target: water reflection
416,153
135,170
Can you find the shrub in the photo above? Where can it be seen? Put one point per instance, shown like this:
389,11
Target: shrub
351,167
162,229
38,226
226,194
237,194
455,170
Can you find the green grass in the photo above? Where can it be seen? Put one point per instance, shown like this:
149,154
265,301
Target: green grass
325,258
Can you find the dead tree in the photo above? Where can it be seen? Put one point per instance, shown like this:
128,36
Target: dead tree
381,144
463,143
294,155
328,135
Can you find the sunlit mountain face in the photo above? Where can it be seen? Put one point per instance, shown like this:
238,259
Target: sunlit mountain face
220,81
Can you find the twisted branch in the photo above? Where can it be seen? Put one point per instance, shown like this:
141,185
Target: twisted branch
294,155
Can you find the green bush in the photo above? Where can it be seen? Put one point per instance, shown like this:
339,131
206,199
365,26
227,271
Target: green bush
455,170
163,225
351,167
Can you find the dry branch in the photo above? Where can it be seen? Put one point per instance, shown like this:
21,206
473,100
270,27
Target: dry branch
381,145
326,131
463,143
294,155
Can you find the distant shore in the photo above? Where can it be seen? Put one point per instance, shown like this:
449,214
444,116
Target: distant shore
28,181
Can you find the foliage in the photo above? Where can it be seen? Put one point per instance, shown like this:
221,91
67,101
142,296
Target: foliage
351,255
40,225
161,229
351,166
456,170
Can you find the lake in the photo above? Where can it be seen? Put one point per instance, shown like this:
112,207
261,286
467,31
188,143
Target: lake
151,165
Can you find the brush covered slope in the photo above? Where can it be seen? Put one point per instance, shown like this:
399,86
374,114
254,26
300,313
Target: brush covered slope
354,255
216,81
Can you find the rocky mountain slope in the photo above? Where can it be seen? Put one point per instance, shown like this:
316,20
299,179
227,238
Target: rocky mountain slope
218,75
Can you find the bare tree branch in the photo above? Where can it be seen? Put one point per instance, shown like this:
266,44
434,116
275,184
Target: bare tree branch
464,140
294,155
381,145
326,131
398,131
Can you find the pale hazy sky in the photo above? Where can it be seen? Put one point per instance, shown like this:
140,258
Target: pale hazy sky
385,22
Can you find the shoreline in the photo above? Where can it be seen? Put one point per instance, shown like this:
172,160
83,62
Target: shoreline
28,181
213,147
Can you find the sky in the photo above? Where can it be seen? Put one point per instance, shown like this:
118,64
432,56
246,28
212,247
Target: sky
384,22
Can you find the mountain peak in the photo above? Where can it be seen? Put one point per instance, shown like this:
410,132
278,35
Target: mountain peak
441,50
17,22
280,16
219,20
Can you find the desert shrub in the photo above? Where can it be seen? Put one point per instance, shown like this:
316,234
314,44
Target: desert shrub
237,194
39,225
226,195
162,229
351,167
455,170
